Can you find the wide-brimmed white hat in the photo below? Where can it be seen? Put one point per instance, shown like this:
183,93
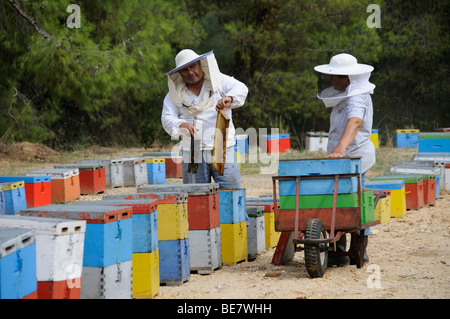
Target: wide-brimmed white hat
186,57
344,64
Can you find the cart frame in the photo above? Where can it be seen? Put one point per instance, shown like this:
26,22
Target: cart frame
349,221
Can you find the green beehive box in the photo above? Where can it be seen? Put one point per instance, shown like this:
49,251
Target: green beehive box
319,201
367,207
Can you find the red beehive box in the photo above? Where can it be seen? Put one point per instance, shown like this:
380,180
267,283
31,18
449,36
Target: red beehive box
275,143
429,190
203,211
92,177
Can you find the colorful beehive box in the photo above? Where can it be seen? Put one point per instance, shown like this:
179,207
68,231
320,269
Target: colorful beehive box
203,211
65,183
232,206
2,201
172,220
110,282
108,246
367,206
203,202
156,170
434,142
38,190
271,235
174,261
397,193
421,167
146,280
205,247
173,162
92,177
256,233
59,253
15,197
406,138
17,263
144,220
183,197
234,243
413,188
108,237
383,209
322,166
242,143
134,172
144,243
316,141
374,138
319,201
277,143
113,171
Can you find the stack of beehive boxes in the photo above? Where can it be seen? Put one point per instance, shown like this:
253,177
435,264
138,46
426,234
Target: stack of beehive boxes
203,220
271,235
145,255
233,225
59,253
17,263
107,262
317,194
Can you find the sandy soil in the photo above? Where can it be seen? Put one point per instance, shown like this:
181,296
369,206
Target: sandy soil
409,258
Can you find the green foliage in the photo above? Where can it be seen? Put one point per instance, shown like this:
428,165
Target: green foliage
104,82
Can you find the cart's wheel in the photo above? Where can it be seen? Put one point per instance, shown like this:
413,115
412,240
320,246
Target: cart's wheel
316,255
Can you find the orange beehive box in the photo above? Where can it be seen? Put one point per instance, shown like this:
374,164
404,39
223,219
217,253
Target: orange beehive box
65,183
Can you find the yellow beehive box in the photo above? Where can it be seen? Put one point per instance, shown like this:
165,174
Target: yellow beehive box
383,210
145,274
234,243
272,235
374,138
172,221
398,203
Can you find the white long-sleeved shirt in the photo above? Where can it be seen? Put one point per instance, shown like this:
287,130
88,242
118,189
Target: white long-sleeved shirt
355,106
172,116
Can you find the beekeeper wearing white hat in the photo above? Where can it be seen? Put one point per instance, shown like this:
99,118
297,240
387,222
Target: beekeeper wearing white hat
197,90
344,86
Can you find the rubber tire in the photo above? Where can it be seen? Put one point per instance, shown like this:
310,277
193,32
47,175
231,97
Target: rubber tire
316,261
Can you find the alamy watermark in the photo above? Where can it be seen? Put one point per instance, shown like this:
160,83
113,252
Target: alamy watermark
374,279
74,20
374,20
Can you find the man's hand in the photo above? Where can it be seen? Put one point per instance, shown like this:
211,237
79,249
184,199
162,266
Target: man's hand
224,103
188,128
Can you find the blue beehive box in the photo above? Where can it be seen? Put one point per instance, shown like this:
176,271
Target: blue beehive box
15,198
2,201
156,170
438,142
316,167
406,138
144,218
242,143
108,237
232,206
17,263
174,261
388,184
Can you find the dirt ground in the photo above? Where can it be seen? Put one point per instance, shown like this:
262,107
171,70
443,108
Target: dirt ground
409,257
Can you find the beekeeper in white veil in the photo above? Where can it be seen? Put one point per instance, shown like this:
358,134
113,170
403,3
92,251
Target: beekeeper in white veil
197,89
348,94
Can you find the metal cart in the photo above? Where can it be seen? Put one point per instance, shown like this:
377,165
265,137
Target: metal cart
314,230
